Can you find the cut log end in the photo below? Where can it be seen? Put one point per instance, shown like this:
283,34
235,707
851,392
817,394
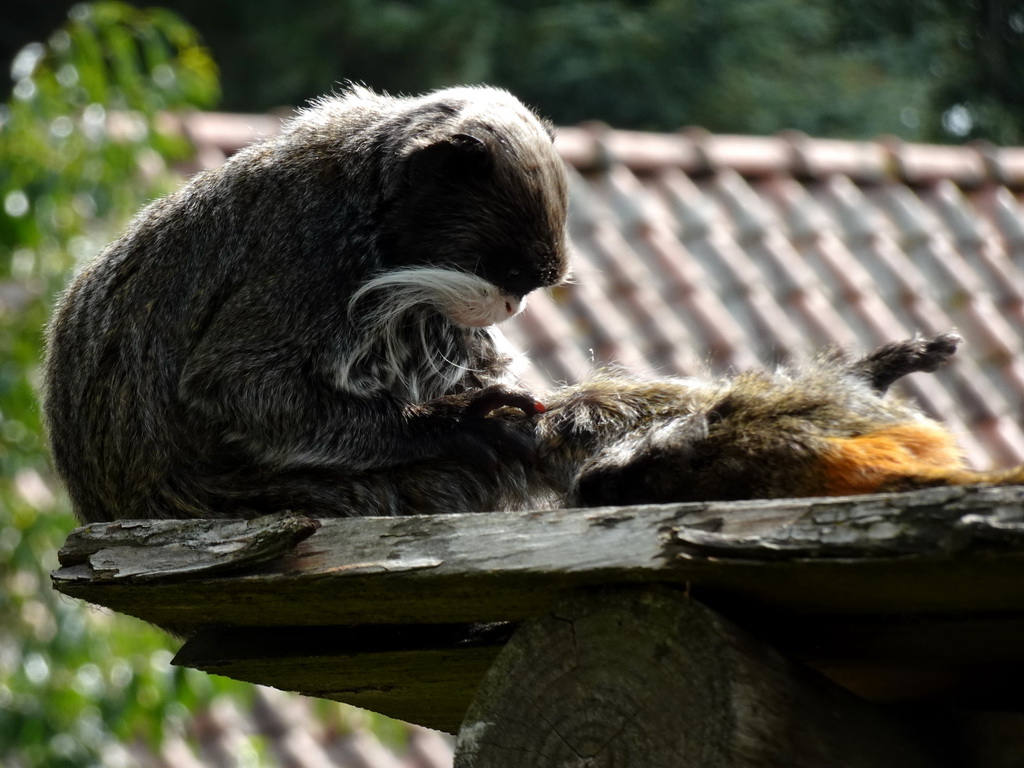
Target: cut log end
647,677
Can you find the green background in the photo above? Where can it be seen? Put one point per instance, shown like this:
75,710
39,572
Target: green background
76,681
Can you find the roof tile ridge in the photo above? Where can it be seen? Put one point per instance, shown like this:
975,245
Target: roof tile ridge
998,169
816,158
594,146
584,146
698,137
989,154
749,155
969,166
895,162
603,157
797,142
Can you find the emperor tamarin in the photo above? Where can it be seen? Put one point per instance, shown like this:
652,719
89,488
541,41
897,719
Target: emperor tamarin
310,326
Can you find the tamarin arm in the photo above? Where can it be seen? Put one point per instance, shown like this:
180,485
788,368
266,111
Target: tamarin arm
276,404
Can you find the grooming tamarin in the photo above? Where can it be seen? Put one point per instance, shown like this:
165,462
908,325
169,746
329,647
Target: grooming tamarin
309,326
823,429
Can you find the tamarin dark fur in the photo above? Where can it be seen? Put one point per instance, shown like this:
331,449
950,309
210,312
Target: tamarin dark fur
310,325
824,429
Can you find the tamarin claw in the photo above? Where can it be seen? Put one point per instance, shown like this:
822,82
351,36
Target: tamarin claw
488,400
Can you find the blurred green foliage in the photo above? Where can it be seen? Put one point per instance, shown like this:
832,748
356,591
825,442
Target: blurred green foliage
81,146
85,140
924,70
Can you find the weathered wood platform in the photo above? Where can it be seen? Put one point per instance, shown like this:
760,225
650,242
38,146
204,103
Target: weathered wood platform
900,598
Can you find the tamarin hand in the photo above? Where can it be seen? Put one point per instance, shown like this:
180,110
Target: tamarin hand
485,438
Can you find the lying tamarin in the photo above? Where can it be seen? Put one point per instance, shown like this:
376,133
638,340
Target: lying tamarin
825,428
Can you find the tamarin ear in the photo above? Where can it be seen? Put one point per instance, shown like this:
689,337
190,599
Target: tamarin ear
458,157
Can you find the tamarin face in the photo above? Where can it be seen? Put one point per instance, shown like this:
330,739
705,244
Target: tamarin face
481,206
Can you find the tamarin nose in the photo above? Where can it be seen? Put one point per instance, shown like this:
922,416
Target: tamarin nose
513,304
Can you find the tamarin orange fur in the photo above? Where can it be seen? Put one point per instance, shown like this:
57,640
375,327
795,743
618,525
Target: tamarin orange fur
824,429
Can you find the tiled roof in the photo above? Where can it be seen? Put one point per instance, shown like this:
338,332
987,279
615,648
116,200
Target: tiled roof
700,250
288,733
732,251
726,252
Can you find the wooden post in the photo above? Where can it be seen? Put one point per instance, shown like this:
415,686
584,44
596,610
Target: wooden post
648,678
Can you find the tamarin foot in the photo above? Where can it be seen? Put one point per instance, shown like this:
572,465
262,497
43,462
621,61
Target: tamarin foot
894,361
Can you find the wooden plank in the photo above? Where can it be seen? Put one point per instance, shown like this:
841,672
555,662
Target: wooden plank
424,674
894,597
149,549
428,674
940,551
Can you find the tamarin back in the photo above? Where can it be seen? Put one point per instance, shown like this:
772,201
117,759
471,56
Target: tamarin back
823,429
310,326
